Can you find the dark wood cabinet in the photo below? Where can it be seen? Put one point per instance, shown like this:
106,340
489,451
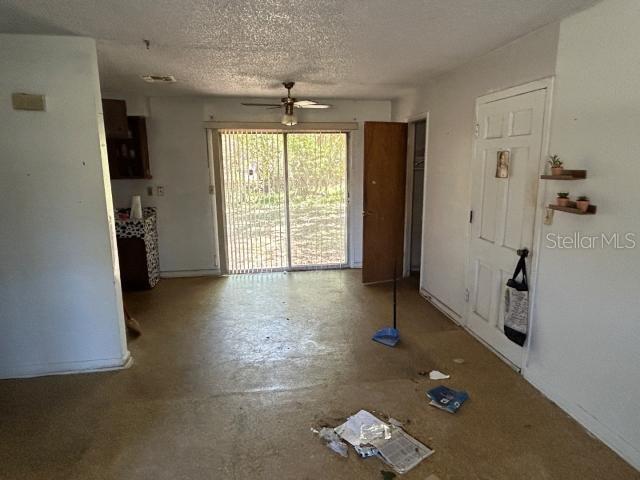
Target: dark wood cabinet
115,118
138,250
132,255
129,155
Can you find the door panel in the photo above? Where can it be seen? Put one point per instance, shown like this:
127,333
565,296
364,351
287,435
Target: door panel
504,209
385,157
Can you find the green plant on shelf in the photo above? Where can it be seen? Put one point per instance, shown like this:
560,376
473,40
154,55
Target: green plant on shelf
555,162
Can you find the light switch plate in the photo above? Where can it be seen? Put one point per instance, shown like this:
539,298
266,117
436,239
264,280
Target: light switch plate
548,217
27,101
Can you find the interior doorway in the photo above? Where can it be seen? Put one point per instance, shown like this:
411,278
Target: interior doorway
418,158
385,154
284,200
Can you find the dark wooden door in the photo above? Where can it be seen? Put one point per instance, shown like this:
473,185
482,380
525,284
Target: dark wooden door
385,160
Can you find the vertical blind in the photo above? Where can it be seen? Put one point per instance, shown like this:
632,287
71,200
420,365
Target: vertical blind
284,200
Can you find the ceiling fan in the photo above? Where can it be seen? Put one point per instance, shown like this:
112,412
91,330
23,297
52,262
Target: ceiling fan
288,104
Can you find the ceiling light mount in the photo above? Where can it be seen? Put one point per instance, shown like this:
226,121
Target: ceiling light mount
289,117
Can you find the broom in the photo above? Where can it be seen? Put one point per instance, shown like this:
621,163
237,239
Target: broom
390,336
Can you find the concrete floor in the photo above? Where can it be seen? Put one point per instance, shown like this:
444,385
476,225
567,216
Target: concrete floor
231,374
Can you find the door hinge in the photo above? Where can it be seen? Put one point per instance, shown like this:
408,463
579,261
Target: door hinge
476,129
211,190
470,216
466,294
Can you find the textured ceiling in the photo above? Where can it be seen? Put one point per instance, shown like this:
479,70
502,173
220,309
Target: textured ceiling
331,48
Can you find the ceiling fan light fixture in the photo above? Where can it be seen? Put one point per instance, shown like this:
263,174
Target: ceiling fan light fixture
289,117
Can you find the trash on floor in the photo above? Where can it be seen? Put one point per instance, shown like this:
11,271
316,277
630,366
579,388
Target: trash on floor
360,428
459,361
447,399
401,452
394,422
371,436
332,440
366,451
438,375
340,448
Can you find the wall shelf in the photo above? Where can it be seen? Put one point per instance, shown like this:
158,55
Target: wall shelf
567,175
575,210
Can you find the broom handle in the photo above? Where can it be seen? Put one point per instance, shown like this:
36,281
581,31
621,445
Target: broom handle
394,293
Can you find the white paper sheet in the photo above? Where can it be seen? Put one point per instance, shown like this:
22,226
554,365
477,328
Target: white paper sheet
402,452
352,432
438,375
397,448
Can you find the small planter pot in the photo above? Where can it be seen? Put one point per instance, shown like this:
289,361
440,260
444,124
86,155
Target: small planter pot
563,202
557,170
583,205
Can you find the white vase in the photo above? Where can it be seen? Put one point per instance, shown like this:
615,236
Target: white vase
136,208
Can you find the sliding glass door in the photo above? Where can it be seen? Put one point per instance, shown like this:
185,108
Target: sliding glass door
285,200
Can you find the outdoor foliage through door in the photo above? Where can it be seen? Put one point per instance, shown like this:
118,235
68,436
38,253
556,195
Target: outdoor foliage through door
284,200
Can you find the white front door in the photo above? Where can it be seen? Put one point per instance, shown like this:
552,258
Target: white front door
505,173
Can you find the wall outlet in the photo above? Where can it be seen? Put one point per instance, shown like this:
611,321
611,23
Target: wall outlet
150,191
160,190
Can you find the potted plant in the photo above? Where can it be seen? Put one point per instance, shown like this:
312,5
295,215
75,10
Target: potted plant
556,165
582,203
563,199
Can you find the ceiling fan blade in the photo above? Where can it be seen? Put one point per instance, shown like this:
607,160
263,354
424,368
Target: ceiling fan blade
310,104
261,104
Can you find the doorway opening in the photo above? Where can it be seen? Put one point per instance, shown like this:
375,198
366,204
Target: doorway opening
417,165
284,199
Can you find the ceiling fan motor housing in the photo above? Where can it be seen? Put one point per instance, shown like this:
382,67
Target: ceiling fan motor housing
288,106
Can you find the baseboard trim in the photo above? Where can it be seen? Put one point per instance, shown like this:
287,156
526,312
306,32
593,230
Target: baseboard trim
356,265
453,316
190,273
599,430
68,368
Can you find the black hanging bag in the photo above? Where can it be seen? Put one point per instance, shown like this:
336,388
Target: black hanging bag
516,314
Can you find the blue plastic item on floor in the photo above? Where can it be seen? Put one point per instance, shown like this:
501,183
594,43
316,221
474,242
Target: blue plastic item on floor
387,336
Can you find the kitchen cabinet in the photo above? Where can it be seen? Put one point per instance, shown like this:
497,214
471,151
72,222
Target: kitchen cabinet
115,118
129,156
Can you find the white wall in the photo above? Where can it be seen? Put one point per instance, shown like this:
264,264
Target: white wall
60,298
585,353
584,344
178,156
450,101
